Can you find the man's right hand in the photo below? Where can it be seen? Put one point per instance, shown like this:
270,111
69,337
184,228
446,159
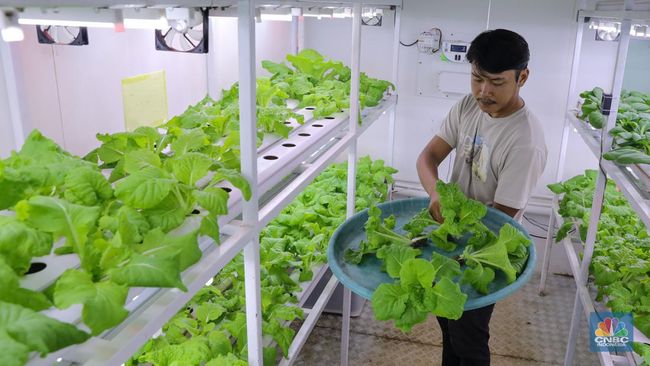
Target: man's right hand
434,210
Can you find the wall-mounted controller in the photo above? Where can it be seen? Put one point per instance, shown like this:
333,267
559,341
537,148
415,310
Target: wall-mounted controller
454,51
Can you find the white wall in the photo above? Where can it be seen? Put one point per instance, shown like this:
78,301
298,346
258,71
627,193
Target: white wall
549,28
71,93
6,131
272,42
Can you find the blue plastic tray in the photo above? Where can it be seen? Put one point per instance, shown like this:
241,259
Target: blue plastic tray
364,278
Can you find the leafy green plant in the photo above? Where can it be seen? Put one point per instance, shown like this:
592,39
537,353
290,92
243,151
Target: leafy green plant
323,84
122,227
507,254
631,135
411,299
622,250
462,215
431,287
290,246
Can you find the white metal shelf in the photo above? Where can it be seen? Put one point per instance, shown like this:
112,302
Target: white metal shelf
619,174
270,174
151,308
599,143
589,305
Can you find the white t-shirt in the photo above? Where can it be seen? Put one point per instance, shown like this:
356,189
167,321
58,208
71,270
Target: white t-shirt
504,161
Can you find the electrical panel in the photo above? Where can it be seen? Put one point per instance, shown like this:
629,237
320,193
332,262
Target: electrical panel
429,41
454,51
443,70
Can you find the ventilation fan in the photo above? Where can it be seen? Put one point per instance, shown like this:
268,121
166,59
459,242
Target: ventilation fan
62,35
607,35
188,35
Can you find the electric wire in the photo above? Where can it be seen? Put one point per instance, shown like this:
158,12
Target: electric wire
543,227
410,44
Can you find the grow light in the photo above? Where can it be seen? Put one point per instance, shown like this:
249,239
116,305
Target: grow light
130,18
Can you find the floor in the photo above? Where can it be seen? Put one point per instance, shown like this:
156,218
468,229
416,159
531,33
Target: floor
526,329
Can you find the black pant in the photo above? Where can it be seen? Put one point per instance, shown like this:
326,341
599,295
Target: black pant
465,341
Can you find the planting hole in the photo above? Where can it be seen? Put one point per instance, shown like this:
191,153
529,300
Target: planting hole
304,134
317,125
310,108
270,157
36,267
329,117
226,189
195,212
289,145
287,122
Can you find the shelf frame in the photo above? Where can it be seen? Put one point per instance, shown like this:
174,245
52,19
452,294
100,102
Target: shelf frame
605,358
151,308
598,143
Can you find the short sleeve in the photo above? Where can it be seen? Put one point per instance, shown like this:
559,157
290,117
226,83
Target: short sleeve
519,176
450,125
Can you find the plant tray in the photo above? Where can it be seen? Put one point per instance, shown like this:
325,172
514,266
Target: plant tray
364,278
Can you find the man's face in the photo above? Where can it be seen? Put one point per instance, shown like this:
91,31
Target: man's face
497,94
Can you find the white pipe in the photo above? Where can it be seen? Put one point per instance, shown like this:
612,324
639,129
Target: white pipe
12,94
395,74
489,13
294,34
352,161
248,139
575,63
301,33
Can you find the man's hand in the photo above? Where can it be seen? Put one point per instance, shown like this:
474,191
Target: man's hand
434,209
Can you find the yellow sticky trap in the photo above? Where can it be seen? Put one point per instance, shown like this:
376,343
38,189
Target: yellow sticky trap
145,100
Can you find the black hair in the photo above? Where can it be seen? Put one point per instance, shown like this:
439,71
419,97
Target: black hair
498,50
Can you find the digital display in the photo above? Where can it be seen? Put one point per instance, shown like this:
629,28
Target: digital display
458,48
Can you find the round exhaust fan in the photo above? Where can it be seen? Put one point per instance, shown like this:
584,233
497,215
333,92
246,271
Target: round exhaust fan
607,35
62,35
189,36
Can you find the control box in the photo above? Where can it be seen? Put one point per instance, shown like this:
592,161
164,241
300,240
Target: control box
454,51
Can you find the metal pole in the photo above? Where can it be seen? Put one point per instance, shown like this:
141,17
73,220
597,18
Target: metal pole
599,193
248,131
575,63
602,178
581,281
352,162
301,33
393,112
294,33
573,330
12,94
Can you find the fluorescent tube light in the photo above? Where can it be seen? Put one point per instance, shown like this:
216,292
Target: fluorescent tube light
277,17
69,23
130,18
134,23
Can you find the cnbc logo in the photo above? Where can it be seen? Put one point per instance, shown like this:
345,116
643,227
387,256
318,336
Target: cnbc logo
610,332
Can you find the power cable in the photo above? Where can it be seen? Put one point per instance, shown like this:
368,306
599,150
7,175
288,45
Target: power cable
408,45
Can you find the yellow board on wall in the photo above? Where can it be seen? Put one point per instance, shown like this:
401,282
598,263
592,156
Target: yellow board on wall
145,100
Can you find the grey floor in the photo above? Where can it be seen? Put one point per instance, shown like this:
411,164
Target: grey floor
526,329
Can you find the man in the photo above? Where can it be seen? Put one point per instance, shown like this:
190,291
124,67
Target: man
500,154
